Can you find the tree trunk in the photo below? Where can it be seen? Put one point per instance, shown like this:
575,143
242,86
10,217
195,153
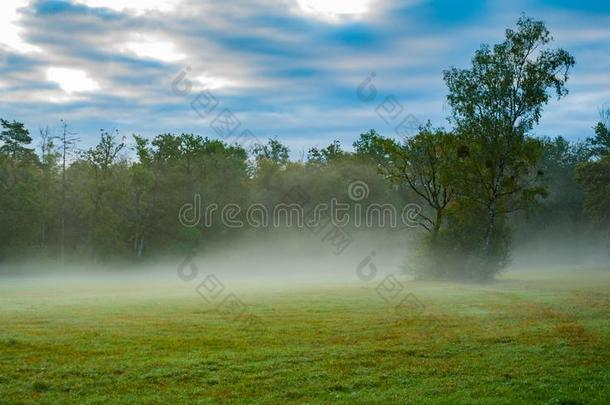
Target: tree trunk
141,246
62,242
437,225
490,228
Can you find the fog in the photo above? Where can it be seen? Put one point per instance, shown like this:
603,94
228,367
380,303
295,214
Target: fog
297,259
560,249
286,257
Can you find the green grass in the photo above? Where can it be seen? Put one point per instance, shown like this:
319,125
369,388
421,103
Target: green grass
528,338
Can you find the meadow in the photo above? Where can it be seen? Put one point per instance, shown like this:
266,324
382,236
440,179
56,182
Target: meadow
531,337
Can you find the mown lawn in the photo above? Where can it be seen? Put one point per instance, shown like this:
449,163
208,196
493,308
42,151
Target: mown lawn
531,337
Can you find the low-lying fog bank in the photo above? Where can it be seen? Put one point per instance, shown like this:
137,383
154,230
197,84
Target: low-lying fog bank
301,259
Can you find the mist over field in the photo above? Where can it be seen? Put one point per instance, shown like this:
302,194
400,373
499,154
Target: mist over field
299,258
302,319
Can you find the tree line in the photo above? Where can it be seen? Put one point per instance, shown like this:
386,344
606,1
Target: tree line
476,182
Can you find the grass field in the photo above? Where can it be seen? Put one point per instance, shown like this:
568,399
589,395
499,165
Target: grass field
531,337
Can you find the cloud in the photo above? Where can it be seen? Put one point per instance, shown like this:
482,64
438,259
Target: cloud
72,80
10,31
334,10
137,6
150,47
285,67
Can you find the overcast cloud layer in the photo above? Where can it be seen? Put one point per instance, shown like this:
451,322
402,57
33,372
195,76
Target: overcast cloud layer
285,68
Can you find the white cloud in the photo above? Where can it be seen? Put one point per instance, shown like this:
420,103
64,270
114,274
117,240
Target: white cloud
147,47
213,83
333,10
139,6
72,80
9,27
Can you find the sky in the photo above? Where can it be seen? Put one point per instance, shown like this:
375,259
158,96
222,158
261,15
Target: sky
305,71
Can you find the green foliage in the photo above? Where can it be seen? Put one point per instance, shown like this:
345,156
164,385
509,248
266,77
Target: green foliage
558,169
13,137
503,93
273,151
169,173
495,103
21,201
370,146
325,155
594,174
599,145
425,165
595,177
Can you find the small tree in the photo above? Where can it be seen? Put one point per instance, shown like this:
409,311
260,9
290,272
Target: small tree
48,160
67,144
423,165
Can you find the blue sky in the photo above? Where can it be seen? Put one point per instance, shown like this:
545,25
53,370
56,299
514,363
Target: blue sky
283,68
